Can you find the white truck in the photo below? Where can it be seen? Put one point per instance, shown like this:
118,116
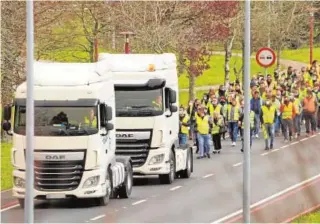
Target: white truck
74,136
146,87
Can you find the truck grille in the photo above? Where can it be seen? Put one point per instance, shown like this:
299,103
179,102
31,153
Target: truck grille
138,150
57,175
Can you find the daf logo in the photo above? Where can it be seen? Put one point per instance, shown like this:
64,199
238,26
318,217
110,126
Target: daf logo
124,135
55,157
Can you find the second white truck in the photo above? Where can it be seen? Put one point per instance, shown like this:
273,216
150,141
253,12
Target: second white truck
74,135
146,93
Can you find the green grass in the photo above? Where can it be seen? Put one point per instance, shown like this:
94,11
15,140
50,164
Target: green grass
301,55
184,96
6,166
309,218
215,75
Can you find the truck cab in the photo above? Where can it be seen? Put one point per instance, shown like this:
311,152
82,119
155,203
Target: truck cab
146,93
74,135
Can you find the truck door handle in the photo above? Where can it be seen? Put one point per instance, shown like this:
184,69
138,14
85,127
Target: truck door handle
170,132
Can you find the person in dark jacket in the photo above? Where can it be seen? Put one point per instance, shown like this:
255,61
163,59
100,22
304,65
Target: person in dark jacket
255,105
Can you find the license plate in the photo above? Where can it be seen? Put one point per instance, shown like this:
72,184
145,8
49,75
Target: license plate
55,196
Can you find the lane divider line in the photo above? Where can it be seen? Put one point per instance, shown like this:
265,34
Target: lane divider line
237,164
139,202
270,198
304,139
208,175
294,143
10,207
97,217
285,146
175,188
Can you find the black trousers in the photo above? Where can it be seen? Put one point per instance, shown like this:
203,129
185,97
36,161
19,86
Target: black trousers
216,138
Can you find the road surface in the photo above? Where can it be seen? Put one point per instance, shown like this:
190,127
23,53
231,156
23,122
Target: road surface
285,182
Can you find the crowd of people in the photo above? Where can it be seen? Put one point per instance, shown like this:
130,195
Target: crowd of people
279,104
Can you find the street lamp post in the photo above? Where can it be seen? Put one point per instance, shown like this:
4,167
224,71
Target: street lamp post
29,195
246,164
311,36
126,45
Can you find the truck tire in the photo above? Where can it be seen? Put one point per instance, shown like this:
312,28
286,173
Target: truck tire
169,178
21,202
125,189
186,173
103,201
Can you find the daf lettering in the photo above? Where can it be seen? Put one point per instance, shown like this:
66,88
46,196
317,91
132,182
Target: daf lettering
124,135
55,157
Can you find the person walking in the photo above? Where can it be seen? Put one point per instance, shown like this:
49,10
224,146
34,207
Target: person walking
217,124
310,105
233,115
288,112
184,125
203,130
268,118
297,118
255,105
252,128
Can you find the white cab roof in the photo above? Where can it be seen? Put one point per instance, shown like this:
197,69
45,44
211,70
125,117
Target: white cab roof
138,62
70,74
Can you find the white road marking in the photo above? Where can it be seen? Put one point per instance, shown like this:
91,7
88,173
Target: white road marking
237,164
139,202
208,175
294,143
227,217
304,139
153,196
285,146
175,188
97,217
124,207
312,136
10,207
267,153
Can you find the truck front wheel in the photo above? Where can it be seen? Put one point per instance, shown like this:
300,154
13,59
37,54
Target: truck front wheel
103,201
125,190
169,178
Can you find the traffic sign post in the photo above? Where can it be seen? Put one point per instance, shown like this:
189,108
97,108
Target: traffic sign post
265,57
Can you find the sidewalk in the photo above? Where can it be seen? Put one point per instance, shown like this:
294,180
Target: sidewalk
7,200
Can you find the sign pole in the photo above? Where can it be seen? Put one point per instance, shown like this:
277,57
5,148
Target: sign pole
246,166
29,194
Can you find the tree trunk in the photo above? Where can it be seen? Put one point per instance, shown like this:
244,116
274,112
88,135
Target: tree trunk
228,53
192,80
278,58
91,51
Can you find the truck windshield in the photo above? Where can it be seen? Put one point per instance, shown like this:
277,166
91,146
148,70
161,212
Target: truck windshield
58,121
138,102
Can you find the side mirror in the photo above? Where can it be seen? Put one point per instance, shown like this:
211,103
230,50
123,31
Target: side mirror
7,113
108,113
172,96
173,108
6,126
109,126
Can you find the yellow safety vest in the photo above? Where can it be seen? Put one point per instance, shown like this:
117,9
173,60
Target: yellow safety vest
157,105
216,127
184,129
287,111
236,113
203,125
268,114
217,109
93,124
298,106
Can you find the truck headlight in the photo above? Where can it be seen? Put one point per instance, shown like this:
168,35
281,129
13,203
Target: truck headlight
91,182
156,159
19,182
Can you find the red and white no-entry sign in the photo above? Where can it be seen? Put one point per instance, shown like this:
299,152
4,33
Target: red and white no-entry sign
265,57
